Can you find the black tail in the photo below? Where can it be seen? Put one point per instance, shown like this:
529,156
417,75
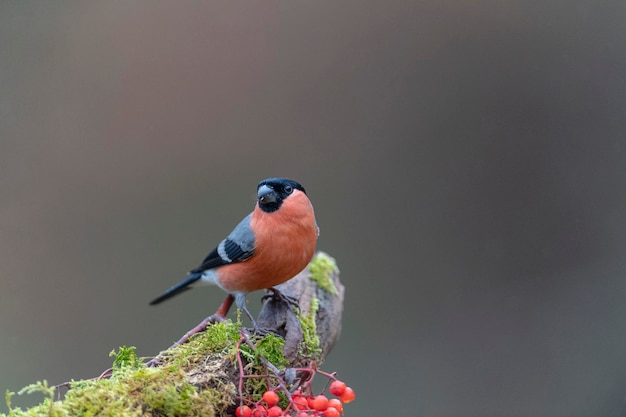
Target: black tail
178,288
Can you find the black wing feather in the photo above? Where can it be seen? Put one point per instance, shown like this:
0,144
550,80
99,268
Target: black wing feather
212,260
178,288
233,251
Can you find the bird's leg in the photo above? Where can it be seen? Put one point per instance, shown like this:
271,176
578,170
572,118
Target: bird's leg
252,320
224,308
219,316
260,331
278,295
240,301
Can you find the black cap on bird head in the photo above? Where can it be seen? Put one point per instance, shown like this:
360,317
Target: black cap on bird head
272,191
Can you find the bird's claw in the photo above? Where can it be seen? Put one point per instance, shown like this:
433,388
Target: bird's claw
215,318
262,331
278,295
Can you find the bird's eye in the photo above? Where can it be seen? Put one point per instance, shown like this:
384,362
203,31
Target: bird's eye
288,189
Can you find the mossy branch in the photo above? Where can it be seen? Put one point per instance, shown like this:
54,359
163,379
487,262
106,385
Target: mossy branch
201,377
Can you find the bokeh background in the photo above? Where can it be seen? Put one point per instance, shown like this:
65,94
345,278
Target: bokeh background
466,161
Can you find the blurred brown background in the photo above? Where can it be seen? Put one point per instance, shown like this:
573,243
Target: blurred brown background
466,162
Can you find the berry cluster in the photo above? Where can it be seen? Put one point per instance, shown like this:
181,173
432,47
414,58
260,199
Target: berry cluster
301,403
286,392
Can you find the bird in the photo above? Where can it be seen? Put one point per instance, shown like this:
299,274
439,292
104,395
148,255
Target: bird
268,247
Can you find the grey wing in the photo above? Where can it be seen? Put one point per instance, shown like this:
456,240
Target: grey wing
242,238
237,247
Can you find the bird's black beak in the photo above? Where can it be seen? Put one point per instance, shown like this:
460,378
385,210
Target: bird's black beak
266,195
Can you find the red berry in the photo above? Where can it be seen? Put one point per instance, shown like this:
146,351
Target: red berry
337,388
270,398
335,403
243,411
302,414
259,411
299,401
331,412
320,403
347,396
275,411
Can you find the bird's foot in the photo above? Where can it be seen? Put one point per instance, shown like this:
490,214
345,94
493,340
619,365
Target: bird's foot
201,327
256,329
261,332
278,295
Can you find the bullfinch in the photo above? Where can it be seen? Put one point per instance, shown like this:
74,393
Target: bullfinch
268,247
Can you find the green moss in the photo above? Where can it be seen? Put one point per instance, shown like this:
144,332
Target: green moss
322,268
194,379
129,392
137,390
47,408
271,348
219,338
310,346
126,358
